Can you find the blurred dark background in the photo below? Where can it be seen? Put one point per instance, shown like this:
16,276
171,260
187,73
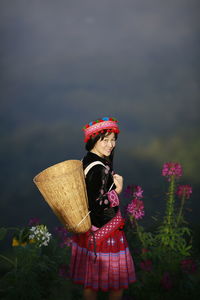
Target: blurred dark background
68,62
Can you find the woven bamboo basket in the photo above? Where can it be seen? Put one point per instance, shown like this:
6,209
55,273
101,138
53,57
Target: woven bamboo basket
63,188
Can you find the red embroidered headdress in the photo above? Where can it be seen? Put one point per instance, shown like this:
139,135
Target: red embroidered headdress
94,128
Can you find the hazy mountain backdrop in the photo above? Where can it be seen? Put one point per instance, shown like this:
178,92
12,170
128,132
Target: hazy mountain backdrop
67,62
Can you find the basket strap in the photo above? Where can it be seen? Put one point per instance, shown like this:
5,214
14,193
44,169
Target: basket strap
90,166
94,163
106,230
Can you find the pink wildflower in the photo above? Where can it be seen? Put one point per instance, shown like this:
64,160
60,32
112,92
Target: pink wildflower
128,191
138,192
66,242
136,208
63,235
171,168
184,190
146,265
134,191
61,231
34,222
166,281
188,266
144,250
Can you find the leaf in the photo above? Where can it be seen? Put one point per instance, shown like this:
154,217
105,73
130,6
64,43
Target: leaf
188,247
3,232
186,230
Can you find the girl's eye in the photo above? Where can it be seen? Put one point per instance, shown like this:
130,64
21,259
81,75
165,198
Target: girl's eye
107,140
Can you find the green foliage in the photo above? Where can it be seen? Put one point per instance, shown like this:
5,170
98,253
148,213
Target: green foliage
165,259
3,232
32,272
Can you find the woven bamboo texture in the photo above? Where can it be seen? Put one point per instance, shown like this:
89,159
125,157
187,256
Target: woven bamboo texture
63,188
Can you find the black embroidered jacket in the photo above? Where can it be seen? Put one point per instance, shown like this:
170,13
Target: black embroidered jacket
98,182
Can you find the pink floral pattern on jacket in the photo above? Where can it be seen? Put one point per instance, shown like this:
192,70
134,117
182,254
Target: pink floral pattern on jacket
113,198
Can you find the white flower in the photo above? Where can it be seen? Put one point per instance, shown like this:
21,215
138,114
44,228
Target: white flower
33,228
40,234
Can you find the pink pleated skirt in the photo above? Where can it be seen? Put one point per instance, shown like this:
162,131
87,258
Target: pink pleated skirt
108,266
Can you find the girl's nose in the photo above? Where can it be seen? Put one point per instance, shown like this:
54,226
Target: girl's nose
111,143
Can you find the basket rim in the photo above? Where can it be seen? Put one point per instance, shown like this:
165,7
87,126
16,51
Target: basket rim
36,177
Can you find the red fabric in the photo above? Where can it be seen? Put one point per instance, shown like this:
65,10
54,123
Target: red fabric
96,127
105,231
113,267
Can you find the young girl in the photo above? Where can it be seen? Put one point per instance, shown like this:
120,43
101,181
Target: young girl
101,259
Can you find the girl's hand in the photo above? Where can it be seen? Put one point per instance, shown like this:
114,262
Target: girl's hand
118,181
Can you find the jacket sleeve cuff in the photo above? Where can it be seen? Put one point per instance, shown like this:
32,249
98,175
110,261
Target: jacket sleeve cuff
113,198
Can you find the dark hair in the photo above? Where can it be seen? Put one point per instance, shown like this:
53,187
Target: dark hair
92,141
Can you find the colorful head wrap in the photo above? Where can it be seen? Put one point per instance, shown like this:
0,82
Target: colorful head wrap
98,126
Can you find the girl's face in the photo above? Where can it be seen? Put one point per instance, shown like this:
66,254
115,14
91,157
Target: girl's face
105,146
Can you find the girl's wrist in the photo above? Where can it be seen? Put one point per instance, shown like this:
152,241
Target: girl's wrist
118,191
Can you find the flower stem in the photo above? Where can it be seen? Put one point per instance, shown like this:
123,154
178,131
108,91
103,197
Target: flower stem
170,202
181,208
13,228
7,259
139,232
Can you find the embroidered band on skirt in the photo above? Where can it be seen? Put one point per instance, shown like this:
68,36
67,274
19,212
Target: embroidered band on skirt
111,269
